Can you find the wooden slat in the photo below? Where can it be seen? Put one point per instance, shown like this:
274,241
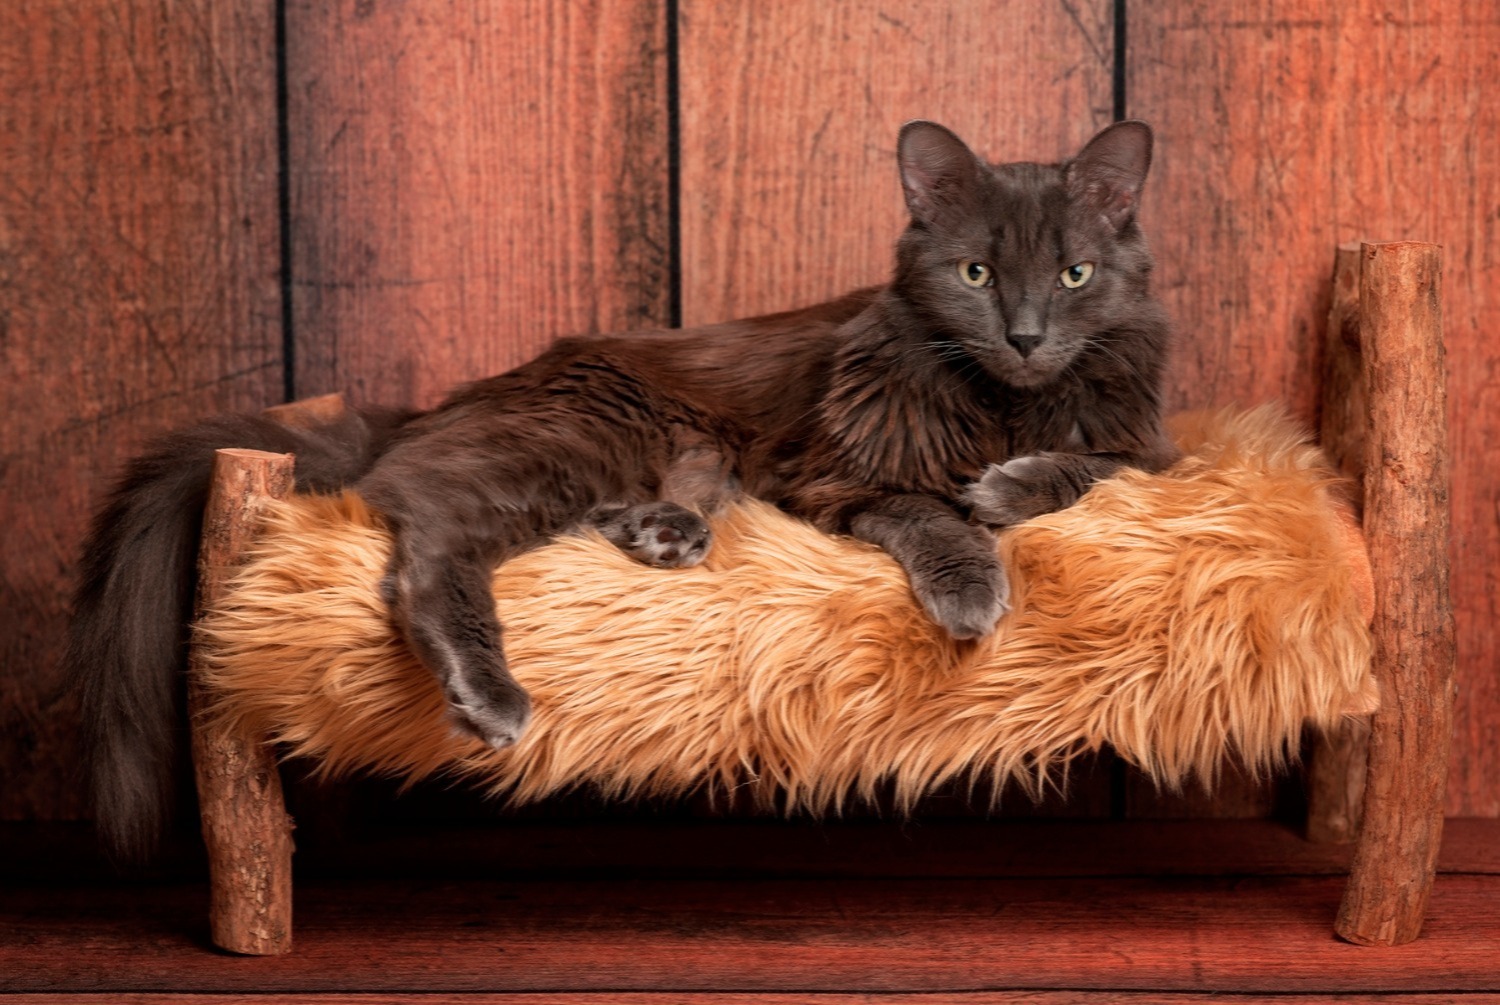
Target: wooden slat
1286,127
921,847
468,182
756,998
998,848
1336,764
789,118
1234,795
1249,935
789,113
653,848
139,283
52,853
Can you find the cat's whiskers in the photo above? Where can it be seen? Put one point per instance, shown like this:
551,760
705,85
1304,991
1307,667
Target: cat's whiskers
947,351
1103,346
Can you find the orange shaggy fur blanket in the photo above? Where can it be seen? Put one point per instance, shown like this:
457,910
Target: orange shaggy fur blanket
1182,618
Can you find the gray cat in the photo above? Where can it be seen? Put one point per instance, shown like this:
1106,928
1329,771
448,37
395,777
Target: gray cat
1014,359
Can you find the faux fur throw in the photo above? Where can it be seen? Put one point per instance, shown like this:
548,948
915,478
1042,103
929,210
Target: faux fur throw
1181,618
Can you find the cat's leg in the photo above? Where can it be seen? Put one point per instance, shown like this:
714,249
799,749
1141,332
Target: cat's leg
1030,486
701,474
670,532
441,601
951,563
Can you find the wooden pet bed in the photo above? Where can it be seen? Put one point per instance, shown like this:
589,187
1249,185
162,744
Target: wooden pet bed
1254,624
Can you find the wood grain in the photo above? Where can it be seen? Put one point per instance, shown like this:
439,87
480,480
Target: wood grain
651,848
789,117
789,112
1246,935
1406,523
468,182
245,826
1286,127
138,291
1336,764
751,998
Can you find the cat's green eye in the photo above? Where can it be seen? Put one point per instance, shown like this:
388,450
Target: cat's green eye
1075,276
976,274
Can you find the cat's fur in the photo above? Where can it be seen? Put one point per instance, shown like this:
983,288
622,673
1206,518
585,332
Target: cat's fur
977,389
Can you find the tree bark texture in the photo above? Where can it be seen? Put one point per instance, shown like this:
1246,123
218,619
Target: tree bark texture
245,825
1406,523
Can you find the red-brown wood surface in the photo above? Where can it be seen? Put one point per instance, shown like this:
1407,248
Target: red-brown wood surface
1245,934
1286,127
245,825
1406,524
789,119
1336,764
750,998
138,291
468,182
789,115
651,848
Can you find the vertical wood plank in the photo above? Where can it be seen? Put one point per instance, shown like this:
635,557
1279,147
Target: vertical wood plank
139,290
1286,127
1336,764
789,119
1343,405
468,182
789,115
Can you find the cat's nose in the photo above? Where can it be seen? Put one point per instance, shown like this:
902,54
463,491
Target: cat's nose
1024,342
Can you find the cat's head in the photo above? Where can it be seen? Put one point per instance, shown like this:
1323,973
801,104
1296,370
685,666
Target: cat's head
1024,266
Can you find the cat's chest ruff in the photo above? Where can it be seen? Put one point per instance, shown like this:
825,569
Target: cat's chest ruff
919,441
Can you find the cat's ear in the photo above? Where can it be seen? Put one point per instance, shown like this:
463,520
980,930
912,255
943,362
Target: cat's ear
939,174
1108,173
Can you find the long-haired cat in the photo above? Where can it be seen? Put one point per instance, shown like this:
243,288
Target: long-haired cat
1014,359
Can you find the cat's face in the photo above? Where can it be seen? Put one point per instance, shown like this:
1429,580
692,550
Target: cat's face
1020,269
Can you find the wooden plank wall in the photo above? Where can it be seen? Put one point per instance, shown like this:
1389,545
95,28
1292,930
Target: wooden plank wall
138,289
789,186
466,182
1288,126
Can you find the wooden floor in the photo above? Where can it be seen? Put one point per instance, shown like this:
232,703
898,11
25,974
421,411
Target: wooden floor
968,912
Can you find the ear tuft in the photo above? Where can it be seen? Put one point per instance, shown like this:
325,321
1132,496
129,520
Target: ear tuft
1111,169
939,174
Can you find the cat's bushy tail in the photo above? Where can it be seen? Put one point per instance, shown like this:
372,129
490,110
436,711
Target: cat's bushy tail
126,644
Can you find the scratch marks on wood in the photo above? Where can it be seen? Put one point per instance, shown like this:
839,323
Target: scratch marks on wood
1101,56
899,25
138,144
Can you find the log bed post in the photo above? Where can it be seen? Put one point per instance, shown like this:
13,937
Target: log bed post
1406,524
245,825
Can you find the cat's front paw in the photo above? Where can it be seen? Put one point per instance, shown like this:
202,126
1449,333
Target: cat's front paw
966,598
662,534
1014,492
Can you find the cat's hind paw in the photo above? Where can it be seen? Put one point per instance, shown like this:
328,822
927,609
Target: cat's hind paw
661,534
